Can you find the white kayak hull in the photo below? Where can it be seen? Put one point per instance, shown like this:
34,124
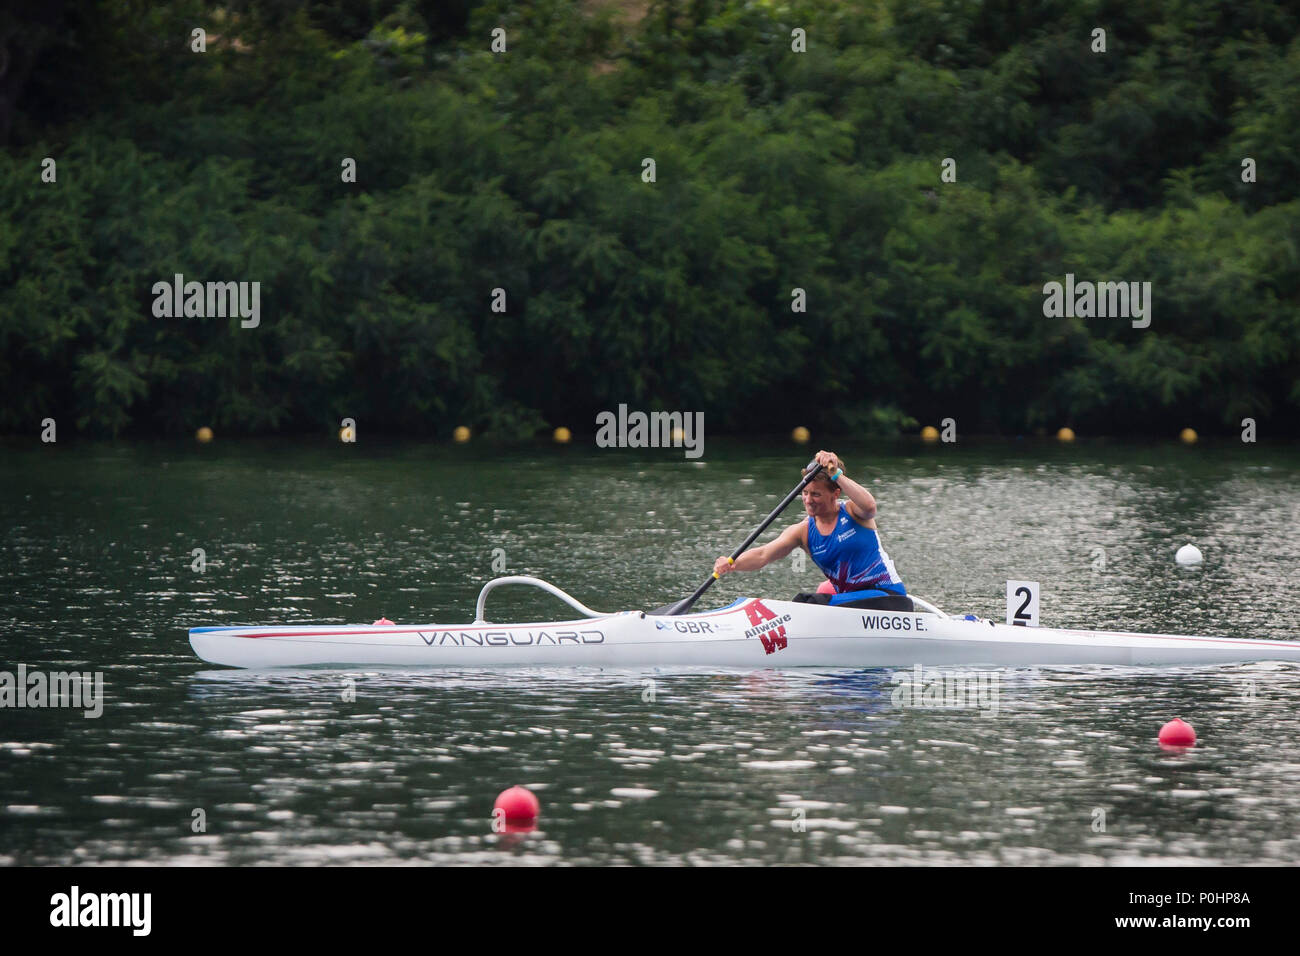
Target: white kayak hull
751,633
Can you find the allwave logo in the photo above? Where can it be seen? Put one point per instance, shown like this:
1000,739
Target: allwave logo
766,626
76,909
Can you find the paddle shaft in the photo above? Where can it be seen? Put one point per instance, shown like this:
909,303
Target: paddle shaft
684,605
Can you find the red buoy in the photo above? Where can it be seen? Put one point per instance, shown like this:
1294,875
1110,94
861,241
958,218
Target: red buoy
1177,733
826,588
519,805
383,620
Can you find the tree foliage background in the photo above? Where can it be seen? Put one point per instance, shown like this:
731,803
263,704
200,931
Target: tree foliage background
775,170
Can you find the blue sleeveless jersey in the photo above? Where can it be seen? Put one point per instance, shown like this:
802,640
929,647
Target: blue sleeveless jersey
851,557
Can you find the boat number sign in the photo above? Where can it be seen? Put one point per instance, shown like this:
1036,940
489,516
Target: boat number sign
1022,603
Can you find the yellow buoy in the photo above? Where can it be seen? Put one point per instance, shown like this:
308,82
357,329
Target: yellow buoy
461,434
204,434
929,433
1065,434
1188,435
562,435
801,435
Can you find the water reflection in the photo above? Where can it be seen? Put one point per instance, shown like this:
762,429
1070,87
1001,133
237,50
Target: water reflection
390,766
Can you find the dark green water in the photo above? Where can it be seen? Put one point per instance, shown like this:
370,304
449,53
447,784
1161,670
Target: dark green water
634,767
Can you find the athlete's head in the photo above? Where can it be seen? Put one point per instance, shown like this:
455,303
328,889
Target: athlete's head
821,496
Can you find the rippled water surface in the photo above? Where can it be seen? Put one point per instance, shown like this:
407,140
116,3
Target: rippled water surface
193,764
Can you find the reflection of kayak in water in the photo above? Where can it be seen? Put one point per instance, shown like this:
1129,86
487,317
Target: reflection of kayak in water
749,632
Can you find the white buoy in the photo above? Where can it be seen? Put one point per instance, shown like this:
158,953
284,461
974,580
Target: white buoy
1189,554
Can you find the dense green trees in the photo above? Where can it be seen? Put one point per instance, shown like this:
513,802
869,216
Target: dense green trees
775,170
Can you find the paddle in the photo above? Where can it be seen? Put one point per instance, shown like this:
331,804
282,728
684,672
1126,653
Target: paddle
684,605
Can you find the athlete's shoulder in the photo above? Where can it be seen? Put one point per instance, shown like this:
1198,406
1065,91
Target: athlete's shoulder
857,518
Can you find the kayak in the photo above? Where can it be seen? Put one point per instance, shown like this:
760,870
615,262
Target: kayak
748,633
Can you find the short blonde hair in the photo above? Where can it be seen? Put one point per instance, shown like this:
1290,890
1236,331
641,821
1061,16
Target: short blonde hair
825,476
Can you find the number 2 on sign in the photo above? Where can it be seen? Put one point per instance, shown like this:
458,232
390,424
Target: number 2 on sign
1022,603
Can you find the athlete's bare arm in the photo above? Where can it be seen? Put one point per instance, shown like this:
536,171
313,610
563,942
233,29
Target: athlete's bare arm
792,537
861,503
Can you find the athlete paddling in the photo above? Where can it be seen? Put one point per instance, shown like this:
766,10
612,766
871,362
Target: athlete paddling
842,539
